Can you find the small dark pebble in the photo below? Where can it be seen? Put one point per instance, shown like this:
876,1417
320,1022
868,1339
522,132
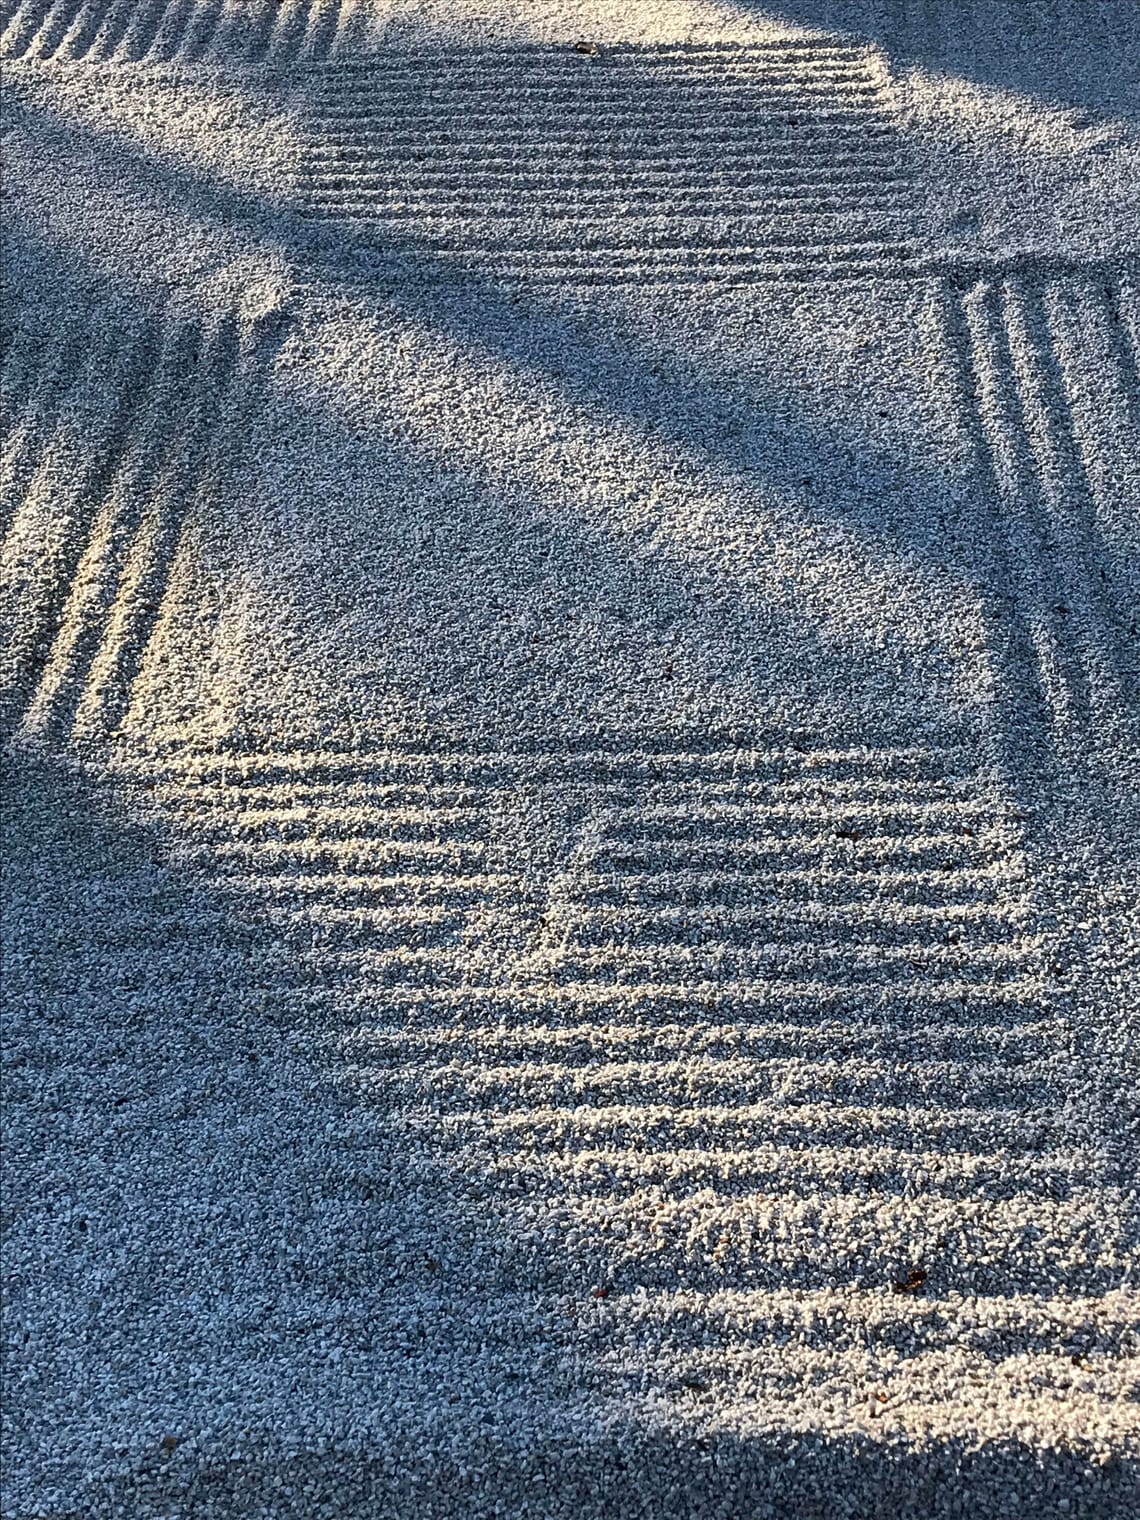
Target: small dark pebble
912,1283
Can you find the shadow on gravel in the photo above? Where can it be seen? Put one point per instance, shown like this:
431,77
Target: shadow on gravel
1077,52
207,1216
464,597
721,411
634,1476
197,1214
724,417
200,1216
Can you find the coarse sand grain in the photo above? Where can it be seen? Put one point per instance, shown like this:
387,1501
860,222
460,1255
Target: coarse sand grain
570,715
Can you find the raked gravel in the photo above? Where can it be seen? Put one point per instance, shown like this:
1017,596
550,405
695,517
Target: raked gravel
570,704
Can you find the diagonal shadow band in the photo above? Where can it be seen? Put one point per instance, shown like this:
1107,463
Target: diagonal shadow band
633,1474
1084,52
746,1473
263,1246
728,425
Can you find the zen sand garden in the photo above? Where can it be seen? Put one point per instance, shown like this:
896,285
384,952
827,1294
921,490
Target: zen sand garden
570,716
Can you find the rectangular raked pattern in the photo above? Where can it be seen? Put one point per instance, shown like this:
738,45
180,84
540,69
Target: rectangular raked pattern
778,1033
1042,367
114,436
185,31
736,163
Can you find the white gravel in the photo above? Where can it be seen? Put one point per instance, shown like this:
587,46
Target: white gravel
570,702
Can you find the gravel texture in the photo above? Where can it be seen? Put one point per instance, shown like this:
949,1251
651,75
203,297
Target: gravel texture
570,713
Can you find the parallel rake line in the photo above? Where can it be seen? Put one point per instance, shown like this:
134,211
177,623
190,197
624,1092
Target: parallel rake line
525,1040
851,998
619,762
189,31
1067,498
685,123
794,112
777,114
828,1172
779,1122
1042,443
156,407
809,63
96,627
830,1320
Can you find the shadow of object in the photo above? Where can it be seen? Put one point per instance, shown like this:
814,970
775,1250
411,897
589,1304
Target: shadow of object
1084,53
198,1214
636,1475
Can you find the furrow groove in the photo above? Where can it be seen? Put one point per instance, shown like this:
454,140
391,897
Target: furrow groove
521,128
